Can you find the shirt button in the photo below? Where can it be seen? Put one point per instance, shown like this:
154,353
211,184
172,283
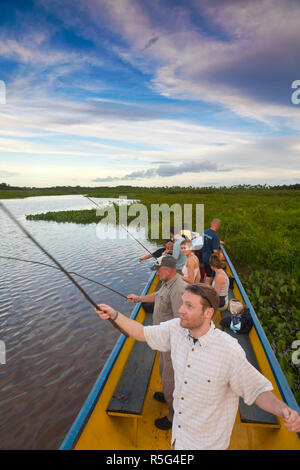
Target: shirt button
185,382
182,398
193,349
180,412
188,365
179,426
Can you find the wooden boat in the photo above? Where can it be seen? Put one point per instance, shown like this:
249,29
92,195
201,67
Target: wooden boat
119,412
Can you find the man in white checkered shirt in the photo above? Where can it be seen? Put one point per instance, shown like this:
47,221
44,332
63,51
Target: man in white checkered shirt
211,372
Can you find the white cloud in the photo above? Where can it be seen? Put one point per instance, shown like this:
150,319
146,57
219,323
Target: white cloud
188,63
120,147
7,174
184,61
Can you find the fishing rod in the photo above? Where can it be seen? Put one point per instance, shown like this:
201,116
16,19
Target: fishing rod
70,272
28,235
123,228
80,275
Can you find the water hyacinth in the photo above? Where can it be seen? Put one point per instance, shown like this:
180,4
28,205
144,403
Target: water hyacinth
275,298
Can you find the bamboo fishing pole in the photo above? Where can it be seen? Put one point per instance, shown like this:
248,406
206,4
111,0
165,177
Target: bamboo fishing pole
28,235
123,228
70,272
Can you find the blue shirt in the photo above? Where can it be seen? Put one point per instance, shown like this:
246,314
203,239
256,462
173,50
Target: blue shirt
211,243
178,255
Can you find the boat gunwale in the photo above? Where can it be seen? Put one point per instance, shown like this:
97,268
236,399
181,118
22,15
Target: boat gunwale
91,401
281,381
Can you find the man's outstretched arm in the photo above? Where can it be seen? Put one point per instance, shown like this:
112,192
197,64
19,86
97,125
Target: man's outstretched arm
141,298
269,402
131,327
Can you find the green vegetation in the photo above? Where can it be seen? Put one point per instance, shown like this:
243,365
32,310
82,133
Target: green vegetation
85,216
12,192
260,228
133,192
77,217
275,298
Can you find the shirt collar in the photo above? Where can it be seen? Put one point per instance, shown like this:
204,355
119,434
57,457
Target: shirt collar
171,281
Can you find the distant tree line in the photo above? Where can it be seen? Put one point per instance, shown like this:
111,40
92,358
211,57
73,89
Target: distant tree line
168,189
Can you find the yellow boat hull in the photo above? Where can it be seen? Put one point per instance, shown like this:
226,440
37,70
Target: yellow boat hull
95,429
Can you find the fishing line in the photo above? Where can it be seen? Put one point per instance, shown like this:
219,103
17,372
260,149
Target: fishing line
70,272
28,235
114,269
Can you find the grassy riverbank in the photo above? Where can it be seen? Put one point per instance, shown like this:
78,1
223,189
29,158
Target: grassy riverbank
132,192
260,227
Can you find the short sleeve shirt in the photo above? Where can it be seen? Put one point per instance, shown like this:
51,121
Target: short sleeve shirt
158,253
210,376
168,300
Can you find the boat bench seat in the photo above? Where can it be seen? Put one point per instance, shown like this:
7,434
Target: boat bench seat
250,415
129,396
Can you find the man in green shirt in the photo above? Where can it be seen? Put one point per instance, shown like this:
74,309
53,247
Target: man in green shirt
167,301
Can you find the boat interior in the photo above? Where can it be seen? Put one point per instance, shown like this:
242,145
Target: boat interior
121,410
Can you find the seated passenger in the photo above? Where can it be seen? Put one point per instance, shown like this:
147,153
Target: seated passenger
191,270
220,282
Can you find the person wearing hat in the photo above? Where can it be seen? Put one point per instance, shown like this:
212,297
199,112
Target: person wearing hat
211,372
167,301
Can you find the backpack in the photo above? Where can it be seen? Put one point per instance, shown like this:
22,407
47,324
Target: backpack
238,322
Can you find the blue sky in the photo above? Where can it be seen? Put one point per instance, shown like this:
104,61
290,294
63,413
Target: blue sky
160,93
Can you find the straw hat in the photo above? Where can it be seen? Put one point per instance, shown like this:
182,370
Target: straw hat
235,306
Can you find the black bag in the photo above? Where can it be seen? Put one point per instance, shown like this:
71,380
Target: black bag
240,323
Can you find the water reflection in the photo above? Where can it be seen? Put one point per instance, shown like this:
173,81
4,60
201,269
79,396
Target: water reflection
55,343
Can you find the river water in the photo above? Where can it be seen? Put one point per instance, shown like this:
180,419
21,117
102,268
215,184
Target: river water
55,343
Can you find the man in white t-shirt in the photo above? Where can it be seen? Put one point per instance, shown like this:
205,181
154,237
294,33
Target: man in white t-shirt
211,372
